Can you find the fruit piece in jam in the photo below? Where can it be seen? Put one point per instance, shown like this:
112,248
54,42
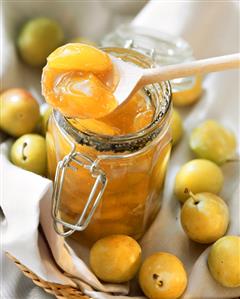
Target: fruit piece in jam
133,116
81,95
77,81
80,57
94,125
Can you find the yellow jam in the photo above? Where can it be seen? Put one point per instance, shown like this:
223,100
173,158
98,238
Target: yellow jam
78,86
132,196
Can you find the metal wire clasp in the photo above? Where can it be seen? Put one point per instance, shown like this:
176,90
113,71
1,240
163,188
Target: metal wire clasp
64,228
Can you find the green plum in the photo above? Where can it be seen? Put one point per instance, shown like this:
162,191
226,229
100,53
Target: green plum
37,39
198,175
224,261
45,112
29,153
204,217
176,126
162,276
19,112
115,258
45,116
210,140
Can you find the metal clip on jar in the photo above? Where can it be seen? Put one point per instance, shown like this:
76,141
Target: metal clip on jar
110,184
100,179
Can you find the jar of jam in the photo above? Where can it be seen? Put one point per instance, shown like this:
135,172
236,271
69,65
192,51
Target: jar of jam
110,172
164,49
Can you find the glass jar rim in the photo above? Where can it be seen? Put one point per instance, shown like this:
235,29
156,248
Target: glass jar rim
130,142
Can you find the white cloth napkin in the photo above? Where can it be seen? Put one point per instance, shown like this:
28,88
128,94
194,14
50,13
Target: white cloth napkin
210,27
25,197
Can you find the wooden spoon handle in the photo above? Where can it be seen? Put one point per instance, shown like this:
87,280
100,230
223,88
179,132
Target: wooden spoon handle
191,68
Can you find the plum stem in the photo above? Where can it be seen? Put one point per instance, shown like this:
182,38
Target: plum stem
191,194
195,199
23,148
159,281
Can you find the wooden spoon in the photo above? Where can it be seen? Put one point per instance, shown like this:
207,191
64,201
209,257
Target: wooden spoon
132,78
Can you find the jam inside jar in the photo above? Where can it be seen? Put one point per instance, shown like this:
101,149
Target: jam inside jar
109,173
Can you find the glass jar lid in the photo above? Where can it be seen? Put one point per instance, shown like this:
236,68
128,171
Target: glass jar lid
164,49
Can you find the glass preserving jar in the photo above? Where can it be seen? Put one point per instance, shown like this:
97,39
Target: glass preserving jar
164,49
106,184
